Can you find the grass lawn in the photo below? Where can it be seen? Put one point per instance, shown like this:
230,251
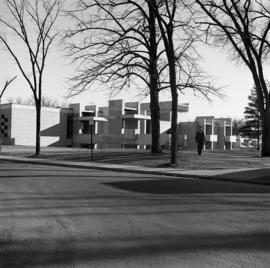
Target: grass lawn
187,159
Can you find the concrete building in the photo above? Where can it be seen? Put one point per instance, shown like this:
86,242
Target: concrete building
124,124
120,125
18,125
218,133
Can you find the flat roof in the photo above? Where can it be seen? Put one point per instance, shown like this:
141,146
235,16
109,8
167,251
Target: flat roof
130,109
136,116
92,118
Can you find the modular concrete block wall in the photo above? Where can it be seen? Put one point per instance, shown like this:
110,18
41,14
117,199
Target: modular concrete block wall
134,105
76,107
5,124
23,127
224,131
103,127
120,139
116,109
131,126
208,125
145,127
53,126
165,110
187,132
218,132
164,126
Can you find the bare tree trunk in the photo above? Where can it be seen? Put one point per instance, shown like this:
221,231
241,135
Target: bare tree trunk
155,122
174,125
172,71
167,36
38,117
154,93
258,133
264,109
266,132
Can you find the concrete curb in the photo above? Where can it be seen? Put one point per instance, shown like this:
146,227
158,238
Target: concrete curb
135,169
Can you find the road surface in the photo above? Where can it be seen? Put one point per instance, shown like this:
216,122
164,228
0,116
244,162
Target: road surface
66,217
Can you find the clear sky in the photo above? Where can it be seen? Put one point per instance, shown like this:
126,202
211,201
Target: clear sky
236,81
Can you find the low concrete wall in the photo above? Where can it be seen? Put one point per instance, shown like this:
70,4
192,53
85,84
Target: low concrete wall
139,139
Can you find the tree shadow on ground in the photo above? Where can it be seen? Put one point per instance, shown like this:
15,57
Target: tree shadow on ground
186,186
91,249
257,175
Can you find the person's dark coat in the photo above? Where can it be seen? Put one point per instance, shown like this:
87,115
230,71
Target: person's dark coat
199,138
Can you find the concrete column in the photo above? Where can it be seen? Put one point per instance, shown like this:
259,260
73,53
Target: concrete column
224,132
80,127
123,126
204,130
139,131
95,132
231,135
144,123
212,143
96,127
139,126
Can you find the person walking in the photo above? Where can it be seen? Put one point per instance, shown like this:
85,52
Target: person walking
199,138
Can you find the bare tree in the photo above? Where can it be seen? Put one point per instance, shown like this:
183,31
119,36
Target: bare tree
32,24
116,43
243,27
174,21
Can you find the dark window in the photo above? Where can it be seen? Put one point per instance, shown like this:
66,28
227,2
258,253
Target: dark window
69,126
148,127
88,113
5,135
85,127
6,120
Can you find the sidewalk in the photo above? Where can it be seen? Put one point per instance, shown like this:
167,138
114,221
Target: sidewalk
246,175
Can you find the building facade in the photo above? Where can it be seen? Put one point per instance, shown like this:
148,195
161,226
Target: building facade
119,125
218,133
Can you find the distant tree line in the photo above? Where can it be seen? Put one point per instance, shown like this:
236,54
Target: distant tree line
45,102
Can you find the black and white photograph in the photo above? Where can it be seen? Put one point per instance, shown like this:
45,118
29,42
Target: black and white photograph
135,133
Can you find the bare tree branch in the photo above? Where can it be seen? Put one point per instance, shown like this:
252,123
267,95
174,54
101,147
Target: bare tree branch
244,27
8,82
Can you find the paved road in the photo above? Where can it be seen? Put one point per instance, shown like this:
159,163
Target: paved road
65,217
